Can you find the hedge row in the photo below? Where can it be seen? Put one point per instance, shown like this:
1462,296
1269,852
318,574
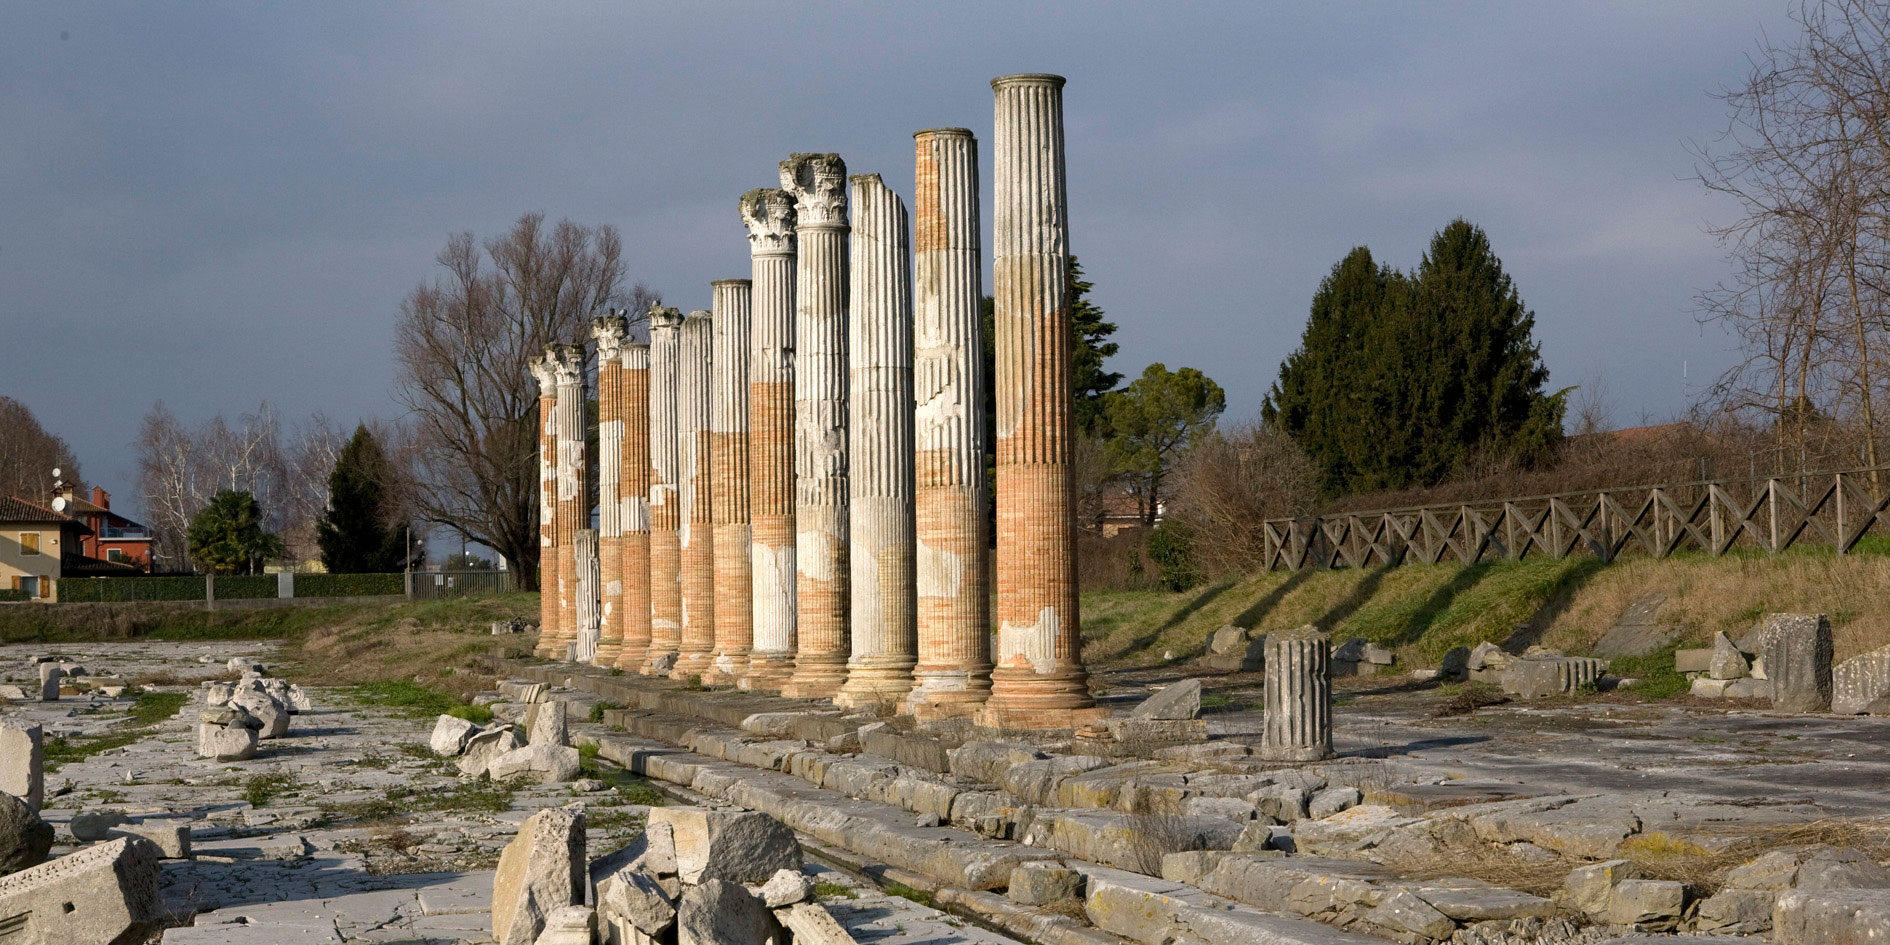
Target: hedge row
345,585
114,590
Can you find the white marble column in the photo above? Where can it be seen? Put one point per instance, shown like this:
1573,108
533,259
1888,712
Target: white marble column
768,215
665,503
953,675
818,182
728,442
879,448
547,379
697,535
574,501
609,332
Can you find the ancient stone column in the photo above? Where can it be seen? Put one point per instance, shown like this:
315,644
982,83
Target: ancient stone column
697,535
609,331
587,555
728,487
953,675
665,504
547,504
818,183
574,494
1039,681
635,490
769,216
1298,696
879,449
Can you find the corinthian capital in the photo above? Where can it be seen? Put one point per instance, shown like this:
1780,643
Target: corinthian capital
818,183
610,331
663,318
567,362
545,374
769,215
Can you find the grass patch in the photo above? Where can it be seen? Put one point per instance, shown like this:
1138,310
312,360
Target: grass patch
476,714
1465,698
827,890
260,789
60,750
489,797
151,708
1659,679
904,891
600,707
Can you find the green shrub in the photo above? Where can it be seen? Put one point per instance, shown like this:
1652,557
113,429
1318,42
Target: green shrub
1171,548
349,585
13,594
126,589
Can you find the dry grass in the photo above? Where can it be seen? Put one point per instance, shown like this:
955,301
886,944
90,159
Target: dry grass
1665,857
1491,865
440,645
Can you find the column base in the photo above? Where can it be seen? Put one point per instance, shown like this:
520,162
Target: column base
1025,700
728,669
607,655
767,672
633,657
816,677
658,663
946,694
1297,753
692,664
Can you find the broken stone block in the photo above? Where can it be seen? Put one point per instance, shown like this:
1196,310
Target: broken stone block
632,907
217,694
1708,688
812,924
737,846
1736,912
1488,656
243,664
1180,700
1040,882
1403,912
542,869
1157,731
106,893
1727,661
23,762
1551,676
544,764
1591,887
1859,681
569,925
1332,800
1455,664
234,742
720,912
24,838
450,735
1798,661
1694,660
485,748
987,761
785,888
49,675
1237,650
274,715
546,724
1651,905
172,839
93,825
1748,689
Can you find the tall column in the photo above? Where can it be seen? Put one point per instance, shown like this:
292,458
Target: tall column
635,489
769,216
1298,722
818,183
547,504
953,675
665,504
574,494
1039,682
585,552
728,445
879,448
697,536
609,332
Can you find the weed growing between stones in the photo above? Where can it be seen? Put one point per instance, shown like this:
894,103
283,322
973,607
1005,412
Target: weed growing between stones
489,797
151,708
827,890
61,750
260,789
1465,698
600,707
904,891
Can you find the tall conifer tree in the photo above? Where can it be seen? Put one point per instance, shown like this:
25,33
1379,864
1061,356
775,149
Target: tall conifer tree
355,534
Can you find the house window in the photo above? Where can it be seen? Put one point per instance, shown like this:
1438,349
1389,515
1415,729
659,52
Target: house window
114,554
29,543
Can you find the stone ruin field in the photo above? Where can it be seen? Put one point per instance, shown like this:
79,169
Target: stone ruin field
372,819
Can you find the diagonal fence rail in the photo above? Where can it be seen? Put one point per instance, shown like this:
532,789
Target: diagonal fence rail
1833,510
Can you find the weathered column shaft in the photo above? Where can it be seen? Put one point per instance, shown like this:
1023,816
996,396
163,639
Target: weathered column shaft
665,503
609,332
635,492
769,216
547,504
696,655
574,494
586,554
728,444
1039,681
879,448
953,675
1298,724
818,182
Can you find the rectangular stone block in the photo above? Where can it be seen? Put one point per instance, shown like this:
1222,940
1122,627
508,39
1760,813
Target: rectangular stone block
22,762
1696,660
1859,681
1798,661
103,893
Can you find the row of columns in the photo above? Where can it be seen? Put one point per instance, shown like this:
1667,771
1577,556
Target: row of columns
812,455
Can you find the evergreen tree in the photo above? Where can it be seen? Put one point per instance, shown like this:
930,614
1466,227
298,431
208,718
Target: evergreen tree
1153,422
1399,379
1089,383
356,535
228,537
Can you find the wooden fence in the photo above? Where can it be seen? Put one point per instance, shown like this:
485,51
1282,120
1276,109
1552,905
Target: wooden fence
1827,509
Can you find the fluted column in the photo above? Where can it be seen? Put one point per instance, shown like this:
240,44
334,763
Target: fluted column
768,215
697,536
879,448
635,490
728,492
818,183
665,504
1039,682
547,504
609,332
585,553
1298,724
953,675
574,494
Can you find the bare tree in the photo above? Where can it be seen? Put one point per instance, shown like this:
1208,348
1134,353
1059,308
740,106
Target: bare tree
29,453
464,340
1233,481
167,484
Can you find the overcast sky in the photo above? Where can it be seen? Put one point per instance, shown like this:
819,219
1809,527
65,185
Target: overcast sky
215,204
